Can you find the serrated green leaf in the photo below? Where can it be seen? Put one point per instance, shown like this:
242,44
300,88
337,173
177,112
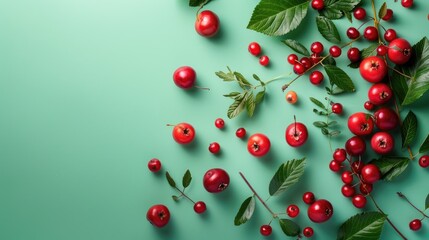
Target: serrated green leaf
227,77
328,29
289,227
427,202
325,131
317,103
320,124
245,212
409,129
250,104
187,178
348,16
391,167
242,81
383,10
260,97
367,225
231,94
276,18
424,147
369,51
238,105
287,175
170,180
175,198
335,9
339,78
296,46
197,3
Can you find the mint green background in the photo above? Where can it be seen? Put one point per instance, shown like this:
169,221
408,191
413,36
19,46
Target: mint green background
86,91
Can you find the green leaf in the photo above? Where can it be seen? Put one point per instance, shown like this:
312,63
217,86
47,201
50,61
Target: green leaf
187,178
335,9
320,124
228,77
354,64
332,123
325,131
287,175
321,113
383,10
363,226
329,61
289,227
328,29
399,86
231,94
278,17
391,167
369,51
418,69
245,212
338,77
175,198
409,129
250,104
317,103
197,3
241,80
349,16
257,78
334,133
427,202
425,145
296,46
238,105
170,180
260,97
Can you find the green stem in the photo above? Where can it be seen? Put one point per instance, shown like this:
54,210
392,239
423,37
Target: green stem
401,195
183,194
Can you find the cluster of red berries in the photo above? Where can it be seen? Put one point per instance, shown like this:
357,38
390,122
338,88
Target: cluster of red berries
255,49
320,4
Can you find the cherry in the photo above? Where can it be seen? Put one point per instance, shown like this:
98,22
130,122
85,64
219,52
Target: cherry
379,94
382,142
184,77
292,59
353,54
200,207
315,58
183,133
296,134
347,177
357,166
352,33
386,119
308,232
240,133
306,62
317,4
340,155
335,166
424,161
370,33
388,15
365,188
360,124
266,230
390,35
207,23
407,3
316,47
258,145
320,211
368,105
399,51
291,97
335,51
373,69
316,77
370,173
355,146
254,48
298,68
216,180
381,50
264,60
359,201
359,13
154,165
214,147
308,198
347,190
415,224
292,210
337,108
219,123
158,215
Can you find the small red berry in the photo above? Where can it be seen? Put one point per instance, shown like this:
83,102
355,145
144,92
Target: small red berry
388,15
355,146
365,188
254,48
298,68
337,108
219,123
154,165
292,210
424,161
370,173
291,97
390,35
214,147
381,50
266,230
335,166
340,155
317,4
370,33
407,3
359,13
352,33
416,224
359,201
348,190
347,177
264,60
308,197
316,77
308,232
316,47
292,59
335,51
315,58
240,133
200,207
353,54
368,105
357,166
306,62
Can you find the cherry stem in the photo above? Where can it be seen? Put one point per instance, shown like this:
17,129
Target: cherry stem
202,88
183,194
401,195
201,6
256,194
376,22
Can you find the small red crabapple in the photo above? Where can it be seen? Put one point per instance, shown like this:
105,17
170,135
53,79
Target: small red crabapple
254,48
240,133
154,165
264,60
219,123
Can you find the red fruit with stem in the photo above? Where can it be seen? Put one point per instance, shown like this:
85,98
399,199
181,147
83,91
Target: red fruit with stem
348,190
359,201
370,173
379,94
184,77
308,232
320,211
370,33
355,146
399,51
240,133
360,124
308,198
359,13
292,210
154,165
373,69
306,62
266,230
415,224
296,134
254,48
158,215
298,68
292,59
215,180
424,161
200,207
316,77
183,133
357,166
207,23
258,145
386,119
365,188
382,143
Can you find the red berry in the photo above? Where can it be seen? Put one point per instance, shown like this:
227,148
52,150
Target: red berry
424,161
335,51
320,211
347,177
240,133
370,173
266,230
347,190
264,60
215,180
373,69
306,62
158,215
379,94
360,124
200,207
298,68
296,134
337,108
184,77
388,15
207,23
183,133
219,123
316,47
308,232
357,166
381,50
154,165
368,105
359,13
355,146
316,77
386,119
407,3
370,33
258,145
382,143
399,51
353,54
340,155
292,210
416,224
365,188
308,198
359,201
317,4
214,147
292,59
352,33
390,35
254,48
315,58
335,166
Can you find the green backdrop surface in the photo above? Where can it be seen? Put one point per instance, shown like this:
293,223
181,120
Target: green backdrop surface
86,91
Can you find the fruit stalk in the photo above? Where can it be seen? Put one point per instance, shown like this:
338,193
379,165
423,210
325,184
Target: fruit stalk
401,195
